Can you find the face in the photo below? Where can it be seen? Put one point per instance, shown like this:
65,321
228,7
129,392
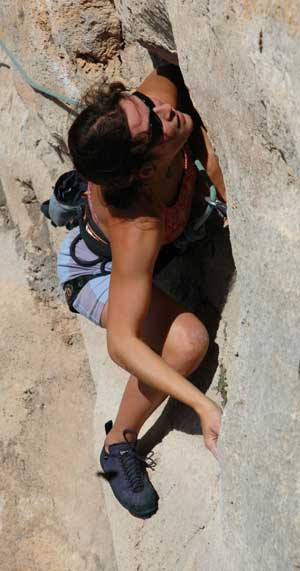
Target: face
166,128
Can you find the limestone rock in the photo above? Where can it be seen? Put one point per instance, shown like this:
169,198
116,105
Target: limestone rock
241,63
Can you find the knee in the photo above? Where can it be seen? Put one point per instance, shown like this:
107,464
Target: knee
189,342
194,340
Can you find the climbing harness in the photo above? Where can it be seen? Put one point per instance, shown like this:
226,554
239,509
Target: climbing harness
68,206
73,287
62,207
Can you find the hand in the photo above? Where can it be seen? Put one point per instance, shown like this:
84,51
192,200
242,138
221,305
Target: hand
210,418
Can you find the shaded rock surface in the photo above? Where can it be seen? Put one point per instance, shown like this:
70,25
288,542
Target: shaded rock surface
240,61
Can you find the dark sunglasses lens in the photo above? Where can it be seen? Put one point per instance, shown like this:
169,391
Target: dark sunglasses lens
156,128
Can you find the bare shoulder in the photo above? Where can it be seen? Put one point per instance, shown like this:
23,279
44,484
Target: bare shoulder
136,243
165,83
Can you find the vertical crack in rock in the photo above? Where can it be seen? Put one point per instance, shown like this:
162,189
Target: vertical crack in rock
5,218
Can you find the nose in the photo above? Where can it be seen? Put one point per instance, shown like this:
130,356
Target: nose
165,111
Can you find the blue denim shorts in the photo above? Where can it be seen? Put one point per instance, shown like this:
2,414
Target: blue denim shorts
93,296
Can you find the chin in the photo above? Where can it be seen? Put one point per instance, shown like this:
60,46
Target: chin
189,124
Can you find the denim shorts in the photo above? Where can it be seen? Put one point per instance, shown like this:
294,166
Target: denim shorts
93,296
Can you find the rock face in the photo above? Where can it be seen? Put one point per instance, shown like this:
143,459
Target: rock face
240,61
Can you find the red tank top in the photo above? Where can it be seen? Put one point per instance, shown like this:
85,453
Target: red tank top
177,215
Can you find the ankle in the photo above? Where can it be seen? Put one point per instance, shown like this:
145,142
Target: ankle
113,437
116,435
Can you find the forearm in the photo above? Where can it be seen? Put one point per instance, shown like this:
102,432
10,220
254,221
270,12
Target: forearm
141,361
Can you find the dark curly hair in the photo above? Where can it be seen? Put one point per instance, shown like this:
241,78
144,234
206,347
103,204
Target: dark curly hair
102,148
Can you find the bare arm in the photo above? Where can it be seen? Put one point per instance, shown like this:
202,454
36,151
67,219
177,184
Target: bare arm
134,255
163,83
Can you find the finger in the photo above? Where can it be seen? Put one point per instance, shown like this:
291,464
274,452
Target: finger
214,450
211,444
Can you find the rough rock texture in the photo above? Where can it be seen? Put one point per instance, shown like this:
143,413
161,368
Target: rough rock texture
49,518
240,61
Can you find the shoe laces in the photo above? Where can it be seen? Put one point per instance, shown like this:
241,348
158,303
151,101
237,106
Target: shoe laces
134,465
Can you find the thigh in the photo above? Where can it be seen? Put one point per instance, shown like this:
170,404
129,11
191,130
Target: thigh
165,317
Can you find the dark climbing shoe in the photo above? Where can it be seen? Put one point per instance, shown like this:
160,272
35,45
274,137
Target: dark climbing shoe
126,472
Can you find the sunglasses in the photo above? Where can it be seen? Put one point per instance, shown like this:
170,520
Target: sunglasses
156,127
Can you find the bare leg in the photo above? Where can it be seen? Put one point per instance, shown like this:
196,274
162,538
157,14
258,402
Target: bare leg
182,341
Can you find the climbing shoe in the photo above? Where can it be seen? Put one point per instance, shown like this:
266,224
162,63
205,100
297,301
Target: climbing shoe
126,472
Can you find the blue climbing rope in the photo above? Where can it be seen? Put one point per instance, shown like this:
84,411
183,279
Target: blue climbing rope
33,84
212,201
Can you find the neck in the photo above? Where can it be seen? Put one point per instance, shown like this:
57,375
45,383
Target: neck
162,186
165,168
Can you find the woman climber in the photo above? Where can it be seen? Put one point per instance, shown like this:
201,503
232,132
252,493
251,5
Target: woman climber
135,151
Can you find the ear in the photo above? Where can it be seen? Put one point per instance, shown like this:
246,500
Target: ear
146,171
